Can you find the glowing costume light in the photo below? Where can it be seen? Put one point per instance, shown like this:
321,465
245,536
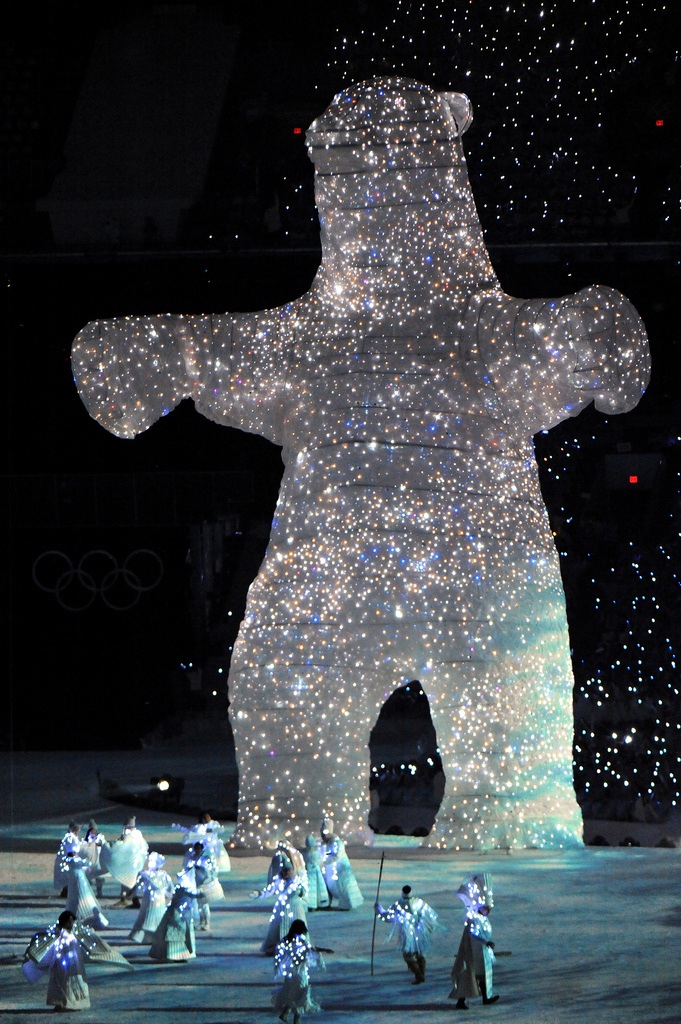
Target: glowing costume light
290,905
175,939
207,832
62,950
80,899
413,923
293,958
472,972
410,539
70,843
201,866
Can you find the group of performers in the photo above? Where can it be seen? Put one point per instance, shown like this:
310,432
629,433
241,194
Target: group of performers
414,921
168,913
307,881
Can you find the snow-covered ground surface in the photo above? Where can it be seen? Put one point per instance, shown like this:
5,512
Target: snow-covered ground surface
590,936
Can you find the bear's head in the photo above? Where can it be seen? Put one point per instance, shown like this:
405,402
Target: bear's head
367,119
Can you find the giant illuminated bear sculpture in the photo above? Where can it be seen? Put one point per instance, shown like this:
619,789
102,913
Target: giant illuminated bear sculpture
410,539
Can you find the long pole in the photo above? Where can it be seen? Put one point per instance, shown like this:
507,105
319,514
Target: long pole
378,889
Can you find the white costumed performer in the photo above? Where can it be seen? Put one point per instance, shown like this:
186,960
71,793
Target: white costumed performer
125,858
317,893
413,922
206,882
293,959
410,539
473,966
80,899
70,843
154,888
61,952
290,905
207,831
338,874
174,938
90,850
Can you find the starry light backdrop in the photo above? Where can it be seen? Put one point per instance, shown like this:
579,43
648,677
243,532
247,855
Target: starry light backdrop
576,123
410,539
629,706
620,554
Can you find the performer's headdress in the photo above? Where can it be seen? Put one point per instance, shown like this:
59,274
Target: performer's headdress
291,857
387,112
156,861
476,891
130,822
283,854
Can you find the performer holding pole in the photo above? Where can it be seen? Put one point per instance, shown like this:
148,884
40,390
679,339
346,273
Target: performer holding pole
413,922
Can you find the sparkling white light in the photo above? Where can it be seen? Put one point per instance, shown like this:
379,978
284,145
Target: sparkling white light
559,87
410,539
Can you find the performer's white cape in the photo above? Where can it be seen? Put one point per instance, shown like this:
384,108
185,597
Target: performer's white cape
125,858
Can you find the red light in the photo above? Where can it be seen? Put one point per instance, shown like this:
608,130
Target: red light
297,131
633,479
659,124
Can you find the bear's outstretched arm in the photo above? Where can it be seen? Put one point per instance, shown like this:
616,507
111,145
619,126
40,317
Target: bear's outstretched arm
131,371
552,357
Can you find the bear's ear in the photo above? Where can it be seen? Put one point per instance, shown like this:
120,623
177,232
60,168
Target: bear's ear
458,109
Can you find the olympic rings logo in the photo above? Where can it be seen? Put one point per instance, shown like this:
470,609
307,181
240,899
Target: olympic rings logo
98,572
